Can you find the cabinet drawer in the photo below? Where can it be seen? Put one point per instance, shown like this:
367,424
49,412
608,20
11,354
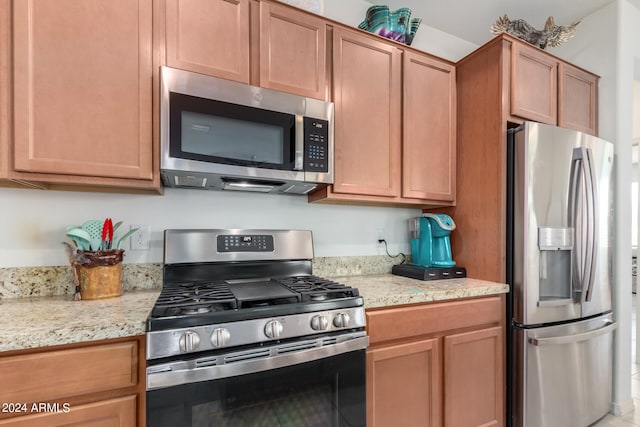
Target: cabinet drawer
423,319
45,376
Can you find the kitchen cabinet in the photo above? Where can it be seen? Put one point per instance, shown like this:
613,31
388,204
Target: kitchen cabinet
577,99
5,106
395,125
266,44
209,37
82,383
499,85
82,77
367,97
548,90
437,364
429,128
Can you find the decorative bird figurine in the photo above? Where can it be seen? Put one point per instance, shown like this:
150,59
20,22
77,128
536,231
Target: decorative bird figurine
552,35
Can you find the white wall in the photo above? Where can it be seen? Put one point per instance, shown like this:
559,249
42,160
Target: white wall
34,221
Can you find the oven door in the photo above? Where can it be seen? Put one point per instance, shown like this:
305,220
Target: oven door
324,392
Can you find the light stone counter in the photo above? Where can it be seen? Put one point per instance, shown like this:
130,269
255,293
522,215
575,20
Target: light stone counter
54,320
46,321
388,290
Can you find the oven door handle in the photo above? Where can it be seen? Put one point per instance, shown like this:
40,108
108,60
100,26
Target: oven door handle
181,372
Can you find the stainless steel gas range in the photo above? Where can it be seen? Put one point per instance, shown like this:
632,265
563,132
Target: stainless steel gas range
243,334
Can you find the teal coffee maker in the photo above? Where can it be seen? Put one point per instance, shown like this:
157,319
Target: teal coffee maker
430,244
431,249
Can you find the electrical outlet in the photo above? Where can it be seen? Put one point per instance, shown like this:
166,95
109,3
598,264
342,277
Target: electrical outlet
140,239
379,236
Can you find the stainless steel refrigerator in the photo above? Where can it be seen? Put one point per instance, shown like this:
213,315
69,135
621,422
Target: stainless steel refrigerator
559,266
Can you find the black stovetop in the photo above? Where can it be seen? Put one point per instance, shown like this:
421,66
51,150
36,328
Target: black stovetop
194,303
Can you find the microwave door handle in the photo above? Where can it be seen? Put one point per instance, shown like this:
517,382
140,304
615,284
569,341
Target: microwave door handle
298,160
592,224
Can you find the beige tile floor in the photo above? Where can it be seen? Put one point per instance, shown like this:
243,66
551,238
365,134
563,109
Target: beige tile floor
633,418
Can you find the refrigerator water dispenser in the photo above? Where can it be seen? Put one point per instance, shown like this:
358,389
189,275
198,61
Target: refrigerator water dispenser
556,250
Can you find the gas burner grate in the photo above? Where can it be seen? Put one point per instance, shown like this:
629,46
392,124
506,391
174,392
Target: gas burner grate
194,298
313,288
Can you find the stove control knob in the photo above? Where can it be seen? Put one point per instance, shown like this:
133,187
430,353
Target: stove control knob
273,329
319,323
189,341
220,337
341,320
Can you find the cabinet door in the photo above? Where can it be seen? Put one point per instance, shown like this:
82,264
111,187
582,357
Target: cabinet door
292,51
473,381
5,37
403,385
367,101
534,77
83,87
120,412
209,37
429,128
577,99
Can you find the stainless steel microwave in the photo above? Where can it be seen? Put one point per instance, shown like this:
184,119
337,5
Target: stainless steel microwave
221,135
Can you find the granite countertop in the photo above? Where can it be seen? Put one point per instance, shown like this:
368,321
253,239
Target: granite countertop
386,290
46,321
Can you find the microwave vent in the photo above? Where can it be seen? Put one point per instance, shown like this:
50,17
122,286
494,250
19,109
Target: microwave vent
190,181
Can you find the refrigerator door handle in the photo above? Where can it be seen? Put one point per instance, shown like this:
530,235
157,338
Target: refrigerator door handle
582,177
592,225
575,178
568,339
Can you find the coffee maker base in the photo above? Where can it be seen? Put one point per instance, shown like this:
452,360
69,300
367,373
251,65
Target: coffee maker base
419,272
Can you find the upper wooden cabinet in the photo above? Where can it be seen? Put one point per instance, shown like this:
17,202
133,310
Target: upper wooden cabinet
429,128
262,43
577,99
395,136
547,90
209,37
293,51
82,93
367,109
534,83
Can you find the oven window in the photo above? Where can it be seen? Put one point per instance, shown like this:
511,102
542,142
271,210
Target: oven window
323,393
220,132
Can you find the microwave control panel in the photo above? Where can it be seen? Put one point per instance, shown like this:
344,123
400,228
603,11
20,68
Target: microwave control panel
316,145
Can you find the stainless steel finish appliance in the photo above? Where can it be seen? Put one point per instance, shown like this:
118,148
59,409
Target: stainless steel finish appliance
242,330
217,134
560,243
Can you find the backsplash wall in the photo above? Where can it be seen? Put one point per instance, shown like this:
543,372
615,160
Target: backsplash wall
34,221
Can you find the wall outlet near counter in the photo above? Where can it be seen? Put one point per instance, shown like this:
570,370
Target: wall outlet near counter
380,236
140,239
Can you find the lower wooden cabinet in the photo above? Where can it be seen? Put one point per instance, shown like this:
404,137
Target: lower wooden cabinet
473,378
99,384
437,364
404,384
